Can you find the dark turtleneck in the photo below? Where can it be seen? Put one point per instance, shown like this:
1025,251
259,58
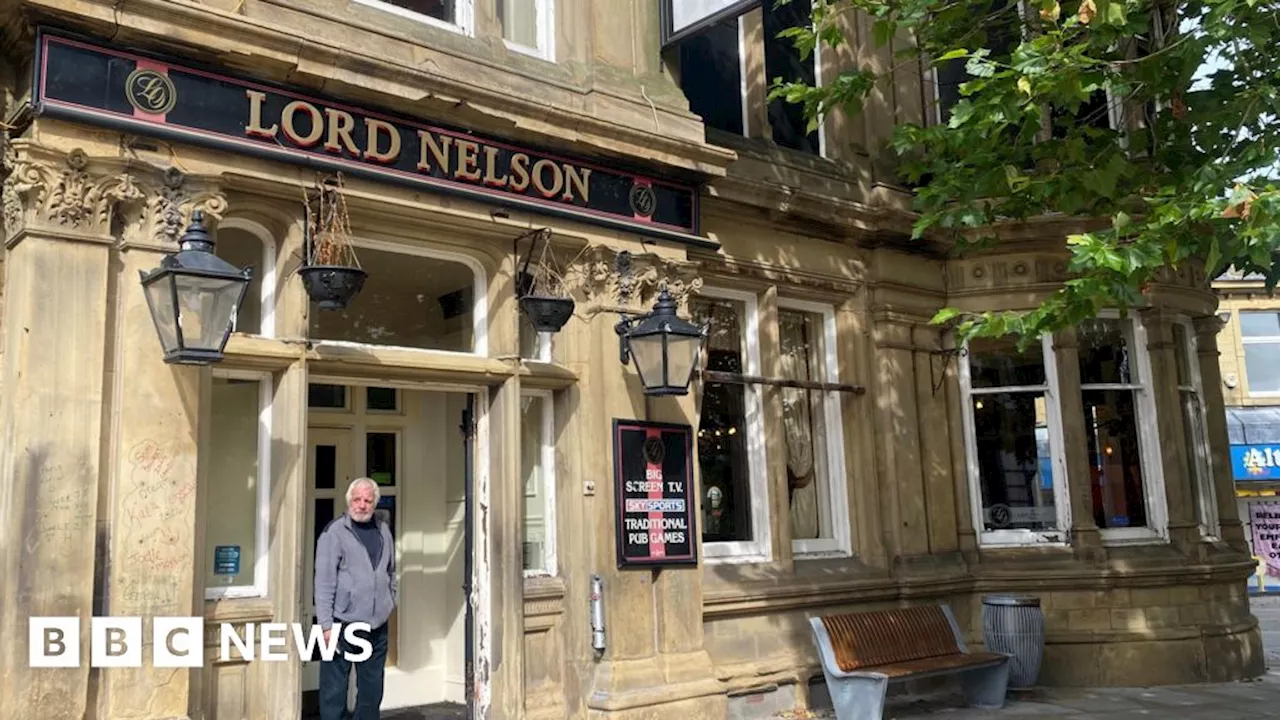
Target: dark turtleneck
369,535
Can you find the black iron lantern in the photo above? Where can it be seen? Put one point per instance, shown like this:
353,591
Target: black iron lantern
665,347
194,296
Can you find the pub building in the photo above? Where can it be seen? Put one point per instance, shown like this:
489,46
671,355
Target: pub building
643,367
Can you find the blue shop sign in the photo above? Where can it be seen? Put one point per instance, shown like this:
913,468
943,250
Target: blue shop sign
1255,462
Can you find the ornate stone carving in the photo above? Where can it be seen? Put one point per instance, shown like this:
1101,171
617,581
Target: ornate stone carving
610,279
171,197
63,195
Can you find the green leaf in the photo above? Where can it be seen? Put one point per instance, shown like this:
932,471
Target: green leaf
954,54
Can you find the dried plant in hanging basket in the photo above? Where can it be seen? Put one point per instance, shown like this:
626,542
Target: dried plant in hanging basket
331,274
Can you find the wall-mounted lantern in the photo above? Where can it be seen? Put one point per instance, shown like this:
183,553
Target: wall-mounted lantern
666,348
194,296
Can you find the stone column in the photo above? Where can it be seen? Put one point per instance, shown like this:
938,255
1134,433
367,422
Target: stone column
149,509
932,378
1207,329
1086,541
57,211
654,663
1184,530
902,501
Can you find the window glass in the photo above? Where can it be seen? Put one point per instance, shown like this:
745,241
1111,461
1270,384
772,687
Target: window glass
326,397
804,425
782,60
383,399
231,512
519,21
1115,461
407,301
1013,450
722,433
711,76
1262,366
1104,353
535,475
381,456
439,9
1260,324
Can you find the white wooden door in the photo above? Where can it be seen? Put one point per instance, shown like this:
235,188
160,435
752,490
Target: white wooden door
330,468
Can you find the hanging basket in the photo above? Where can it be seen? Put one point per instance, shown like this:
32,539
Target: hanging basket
547,314
332,287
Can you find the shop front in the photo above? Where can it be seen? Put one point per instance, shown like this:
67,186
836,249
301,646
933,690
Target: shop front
490,322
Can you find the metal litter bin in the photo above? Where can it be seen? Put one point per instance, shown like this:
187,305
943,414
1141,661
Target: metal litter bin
1014,624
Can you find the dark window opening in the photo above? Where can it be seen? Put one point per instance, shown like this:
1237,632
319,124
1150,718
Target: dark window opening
711,76
782,61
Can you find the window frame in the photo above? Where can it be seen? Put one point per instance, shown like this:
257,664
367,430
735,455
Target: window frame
547,460
1246,340
463,15
834,466
544,14
262,522
1202,464
1147,425
760,549
1018,537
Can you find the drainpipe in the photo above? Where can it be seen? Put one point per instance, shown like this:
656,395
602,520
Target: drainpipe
597,614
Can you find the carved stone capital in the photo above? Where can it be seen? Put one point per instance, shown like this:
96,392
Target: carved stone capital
170,197
607,279
69,194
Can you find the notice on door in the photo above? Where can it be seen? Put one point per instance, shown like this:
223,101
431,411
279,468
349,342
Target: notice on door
1265,519
653,476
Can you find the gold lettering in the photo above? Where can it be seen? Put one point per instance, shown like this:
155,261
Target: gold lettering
255,116
519,172
340,125
579,178
468,160
374,128
438,149
556,176
317,123
491,170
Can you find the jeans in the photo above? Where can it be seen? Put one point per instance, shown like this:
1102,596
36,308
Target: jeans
334,676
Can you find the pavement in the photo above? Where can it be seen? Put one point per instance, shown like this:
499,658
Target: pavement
1258,698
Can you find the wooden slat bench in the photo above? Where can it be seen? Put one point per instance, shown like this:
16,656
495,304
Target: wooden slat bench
863,652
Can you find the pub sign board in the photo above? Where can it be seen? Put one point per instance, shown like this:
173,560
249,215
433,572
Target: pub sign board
653,492
80,79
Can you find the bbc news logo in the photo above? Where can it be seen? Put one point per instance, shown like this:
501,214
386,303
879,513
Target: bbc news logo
177,642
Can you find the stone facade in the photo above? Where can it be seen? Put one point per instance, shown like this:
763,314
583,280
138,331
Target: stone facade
106,459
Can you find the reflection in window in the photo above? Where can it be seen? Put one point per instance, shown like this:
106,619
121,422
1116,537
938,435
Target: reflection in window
723,429
804,425
231,513
244,250
381,457
536,472
1260,331
407,301
519,21
1110,398
1008,404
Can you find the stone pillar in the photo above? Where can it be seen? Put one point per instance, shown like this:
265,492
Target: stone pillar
1086,541
57,211
902,502
931,376
654,663
503,522
149,509
1184,529
1232,532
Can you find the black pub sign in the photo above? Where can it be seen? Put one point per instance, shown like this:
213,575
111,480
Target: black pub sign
147,94
653,478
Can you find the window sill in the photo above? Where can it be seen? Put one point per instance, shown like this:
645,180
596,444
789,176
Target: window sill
1114,537
535,53
1022,539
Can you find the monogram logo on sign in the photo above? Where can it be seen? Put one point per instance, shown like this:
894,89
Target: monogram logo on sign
150,92
643,201
654,450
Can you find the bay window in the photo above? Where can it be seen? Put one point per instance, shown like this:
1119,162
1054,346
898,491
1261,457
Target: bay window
1013,429
1120,428
1195,428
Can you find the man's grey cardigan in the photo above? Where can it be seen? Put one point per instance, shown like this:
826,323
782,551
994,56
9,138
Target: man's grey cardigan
348,588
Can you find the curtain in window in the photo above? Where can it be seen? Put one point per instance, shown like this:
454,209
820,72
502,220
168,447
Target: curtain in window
798,428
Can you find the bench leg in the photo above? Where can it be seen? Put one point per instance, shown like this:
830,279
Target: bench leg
986,688
859,697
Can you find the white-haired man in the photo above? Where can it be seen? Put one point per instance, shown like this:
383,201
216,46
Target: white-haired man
355,582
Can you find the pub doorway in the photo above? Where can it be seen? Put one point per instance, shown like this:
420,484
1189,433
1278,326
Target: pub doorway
418,445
